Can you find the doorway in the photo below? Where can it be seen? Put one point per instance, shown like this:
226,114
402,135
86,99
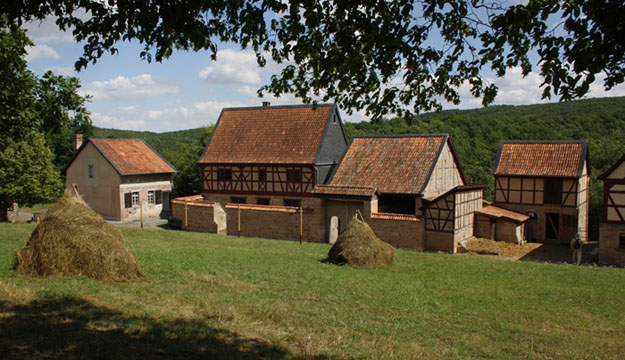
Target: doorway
552,226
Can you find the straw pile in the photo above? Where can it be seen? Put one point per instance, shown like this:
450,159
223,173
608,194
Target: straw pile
359,246
73,240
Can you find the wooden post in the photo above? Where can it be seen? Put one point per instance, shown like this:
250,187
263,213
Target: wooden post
239,222
141,210
186,223
300,225
75,189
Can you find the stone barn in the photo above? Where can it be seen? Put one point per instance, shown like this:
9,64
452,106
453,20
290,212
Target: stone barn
548,181
118,177
612,229
259,169
410,189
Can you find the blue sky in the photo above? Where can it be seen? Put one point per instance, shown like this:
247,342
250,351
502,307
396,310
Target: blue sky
189,90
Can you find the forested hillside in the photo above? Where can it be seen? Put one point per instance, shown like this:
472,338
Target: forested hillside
475,134
162,142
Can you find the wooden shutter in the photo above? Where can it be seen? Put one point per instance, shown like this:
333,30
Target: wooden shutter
159,196
128,200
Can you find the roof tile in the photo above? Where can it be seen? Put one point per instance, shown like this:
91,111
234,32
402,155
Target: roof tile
268,135
541,158
344,190
392,164
132,156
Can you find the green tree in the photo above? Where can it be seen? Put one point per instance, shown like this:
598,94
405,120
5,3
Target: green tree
188,180
377,55
36,115
27,174
49,104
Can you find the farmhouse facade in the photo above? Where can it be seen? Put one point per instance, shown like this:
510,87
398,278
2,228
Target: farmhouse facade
410,189
120,178
548,181
612,228
260,166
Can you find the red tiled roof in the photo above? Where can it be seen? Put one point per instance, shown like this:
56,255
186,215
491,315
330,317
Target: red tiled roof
497,212
132,156
269,208
269,135
367,191
392,164
540,158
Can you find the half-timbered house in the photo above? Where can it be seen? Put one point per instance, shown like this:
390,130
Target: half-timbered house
612,228
120,178
410,188
261,165
547,180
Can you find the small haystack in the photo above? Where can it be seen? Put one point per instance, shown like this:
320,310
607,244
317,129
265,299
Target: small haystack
73,240
359,246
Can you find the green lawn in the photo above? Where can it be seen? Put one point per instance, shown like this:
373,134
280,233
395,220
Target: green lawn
209,296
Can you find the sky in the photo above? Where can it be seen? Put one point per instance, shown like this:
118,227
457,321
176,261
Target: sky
188,90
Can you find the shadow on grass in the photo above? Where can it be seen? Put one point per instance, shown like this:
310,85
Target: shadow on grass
75,328
559,254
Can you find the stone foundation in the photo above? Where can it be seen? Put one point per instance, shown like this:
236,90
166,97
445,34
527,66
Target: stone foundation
609,251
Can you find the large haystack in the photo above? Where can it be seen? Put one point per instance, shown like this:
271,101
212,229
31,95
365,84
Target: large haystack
359,246
73,240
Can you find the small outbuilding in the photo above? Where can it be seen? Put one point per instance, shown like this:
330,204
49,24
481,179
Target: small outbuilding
120,178
495,223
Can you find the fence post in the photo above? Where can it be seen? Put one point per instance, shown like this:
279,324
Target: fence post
239,221
301,222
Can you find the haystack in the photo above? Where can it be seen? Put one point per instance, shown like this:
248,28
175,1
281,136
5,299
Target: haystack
359,246
73,240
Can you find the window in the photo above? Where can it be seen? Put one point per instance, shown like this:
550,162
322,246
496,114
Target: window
293,203
553,191
262,201
238,200
293,175
135,198
262,175
151,197
224,174
91,168
621,241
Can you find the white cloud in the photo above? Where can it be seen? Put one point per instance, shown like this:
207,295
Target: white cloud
41,51
121,88
232,67
184,117
112,122
47,31
61,70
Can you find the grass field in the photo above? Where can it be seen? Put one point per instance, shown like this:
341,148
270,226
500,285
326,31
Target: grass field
209,296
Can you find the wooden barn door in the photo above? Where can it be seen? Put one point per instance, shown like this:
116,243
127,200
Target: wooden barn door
552,226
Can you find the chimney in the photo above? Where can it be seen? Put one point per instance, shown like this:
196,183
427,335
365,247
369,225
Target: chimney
77,141
266,103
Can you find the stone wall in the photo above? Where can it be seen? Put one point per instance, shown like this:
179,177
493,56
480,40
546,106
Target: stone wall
609,252
277,222
199,215
401,231
440,241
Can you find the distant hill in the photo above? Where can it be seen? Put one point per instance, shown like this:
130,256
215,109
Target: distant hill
166,142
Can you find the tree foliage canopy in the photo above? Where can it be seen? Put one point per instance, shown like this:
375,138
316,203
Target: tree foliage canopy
373,55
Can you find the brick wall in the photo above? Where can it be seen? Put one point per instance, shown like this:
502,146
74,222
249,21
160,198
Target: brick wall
401,231
200,215
278,222
609,252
